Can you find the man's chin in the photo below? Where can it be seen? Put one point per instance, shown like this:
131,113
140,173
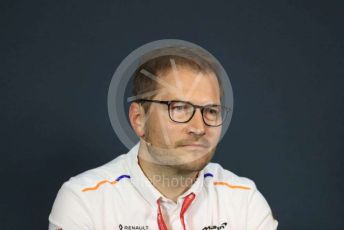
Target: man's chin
193,161
181,157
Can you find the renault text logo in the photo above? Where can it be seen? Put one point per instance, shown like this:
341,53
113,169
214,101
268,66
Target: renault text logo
132,227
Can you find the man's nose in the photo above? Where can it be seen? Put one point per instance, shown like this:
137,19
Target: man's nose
196,124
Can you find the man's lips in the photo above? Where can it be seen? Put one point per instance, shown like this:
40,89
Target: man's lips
194,145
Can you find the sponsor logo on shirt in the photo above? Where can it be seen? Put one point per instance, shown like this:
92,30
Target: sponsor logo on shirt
222,226
132,227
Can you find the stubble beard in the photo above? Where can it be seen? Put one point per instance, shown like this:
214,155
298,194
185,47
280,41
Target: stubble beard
177,158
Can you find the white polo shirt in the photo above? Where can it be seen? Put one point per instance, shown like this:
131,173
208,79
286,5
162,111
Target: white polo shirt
118,195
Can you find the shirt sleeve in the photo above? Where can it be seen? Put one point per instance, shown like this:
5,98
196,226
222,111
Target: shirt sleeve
259,213
69,212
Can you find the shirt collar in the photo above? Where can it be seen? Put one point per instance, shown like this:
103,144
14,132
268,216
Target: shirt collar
144,186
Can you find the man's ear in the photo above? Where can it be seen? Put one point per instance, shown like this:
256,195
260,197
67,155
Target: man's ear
137,118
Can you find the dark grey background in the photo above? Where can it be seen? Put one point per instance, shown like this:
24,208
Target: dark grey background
286,63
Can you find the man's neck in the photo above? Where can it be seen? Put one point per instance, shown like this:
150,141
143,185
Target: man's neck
169,181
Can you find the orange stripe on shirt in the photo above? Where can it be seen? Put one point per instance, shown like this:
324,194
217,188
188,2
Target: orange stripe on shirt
98,185
231,186
106,181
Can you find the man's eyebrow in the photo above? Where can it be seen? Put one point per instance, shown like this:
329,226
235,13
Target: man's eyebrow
213,104
205,104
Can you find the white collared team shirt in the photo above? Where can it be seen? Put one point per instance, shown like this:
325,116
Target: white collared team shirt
118,195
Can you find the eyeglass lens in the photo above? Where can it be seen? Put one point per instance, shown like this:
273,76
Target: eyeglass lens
182,112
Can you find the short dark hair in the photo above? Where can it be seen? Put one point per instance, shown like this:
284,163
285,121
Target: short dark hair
160,61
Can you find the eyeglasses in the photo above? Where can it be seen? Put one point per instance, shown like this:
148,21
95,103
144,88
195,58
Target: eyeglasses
183,111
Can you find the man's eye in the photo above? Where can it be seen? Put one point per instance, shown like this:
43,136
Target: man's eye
213,111
179,107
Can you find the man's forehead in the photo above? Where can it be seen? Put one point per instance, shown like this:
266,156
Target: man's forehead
188,85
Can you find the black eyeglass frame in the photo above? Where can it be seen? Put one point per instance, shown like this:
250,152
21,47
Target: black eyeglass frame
168,103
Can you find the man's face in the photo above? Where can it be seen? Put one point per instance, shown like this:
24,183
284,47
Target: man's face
171,141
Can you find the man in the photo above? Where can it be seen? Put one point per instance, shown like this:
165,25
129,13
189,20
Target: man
166,181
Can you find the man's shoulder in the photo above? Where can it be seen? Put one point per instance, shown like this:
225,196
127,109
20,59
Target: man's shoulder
222,176
109,173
